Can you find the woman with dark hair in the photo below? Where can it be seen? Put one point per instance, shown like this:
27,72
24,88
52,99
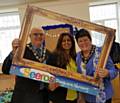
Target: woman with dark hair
87,60
64,56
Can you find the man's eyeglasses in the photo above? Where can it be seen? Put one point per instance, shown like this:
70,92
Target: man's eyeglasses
38,34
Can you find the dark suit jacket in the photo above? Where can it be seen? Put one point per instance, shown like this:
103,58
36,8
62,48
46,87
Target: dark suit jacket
59,94
115,52
26,90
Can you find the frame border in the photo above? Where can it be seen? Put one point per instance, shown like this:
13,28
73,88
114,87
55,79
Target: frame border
26,25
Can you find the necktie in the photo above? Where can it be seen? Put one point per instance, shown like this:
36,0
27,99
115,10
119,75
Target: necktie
39,52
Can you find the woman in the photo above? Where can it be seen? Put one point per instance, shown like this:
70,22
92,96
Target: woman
64,56
87,60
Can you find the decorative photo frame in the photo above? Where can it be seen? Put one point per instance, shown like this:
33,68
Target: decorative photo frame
30,12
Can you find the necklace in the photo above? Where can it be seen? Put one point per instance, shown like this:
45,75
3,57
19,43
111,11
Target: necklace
39,56
86,59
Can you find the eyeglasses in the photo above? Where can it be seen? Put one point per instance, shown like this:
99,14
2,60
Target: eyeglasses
38,34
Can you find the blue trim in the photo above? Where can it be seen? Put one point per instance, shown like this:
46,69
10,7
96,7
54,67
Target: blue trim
77,85
49,27
63,81
59,26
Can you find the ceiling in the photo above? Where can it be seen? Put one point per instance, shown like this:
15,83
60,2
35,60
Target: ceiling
19,2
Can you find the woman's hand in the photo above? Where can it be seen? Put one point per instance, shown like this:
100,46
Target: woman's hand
102,73
15,45
53,86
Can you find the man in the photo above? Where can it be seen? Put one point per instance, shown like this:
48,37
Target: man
27,90
115,54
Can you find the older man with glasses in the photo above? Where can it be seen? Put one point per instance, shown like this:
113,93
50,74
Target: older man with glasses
27,90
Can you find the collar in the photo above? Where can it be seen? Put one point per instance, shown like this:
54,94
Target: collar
34,47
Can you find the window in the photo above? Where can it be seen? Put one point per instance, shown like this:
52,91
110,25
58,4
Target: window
9,29
105,15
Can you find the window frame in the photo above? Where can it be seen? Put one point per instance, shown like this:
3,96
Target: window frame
103,20
15,27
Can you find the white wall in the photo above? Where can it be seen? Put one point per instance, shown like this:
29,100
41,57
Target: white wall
72,8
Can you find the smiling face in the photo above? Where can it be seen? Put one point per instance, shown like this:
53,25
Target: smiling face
66,43
84,43
37,37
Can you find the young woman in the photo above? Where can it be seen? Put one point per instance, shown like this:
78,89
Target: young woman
87,60
64,56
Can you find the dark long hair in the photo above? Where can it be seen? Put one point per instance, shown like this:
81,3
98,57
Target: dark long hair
63,57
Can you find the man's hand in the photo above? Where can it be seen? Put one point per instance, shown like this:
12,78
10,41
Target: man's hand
15,45
117,65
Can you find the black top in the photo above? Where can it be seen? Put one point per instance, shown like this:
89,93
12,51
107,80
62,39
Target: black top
115,52
59,94
26,90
